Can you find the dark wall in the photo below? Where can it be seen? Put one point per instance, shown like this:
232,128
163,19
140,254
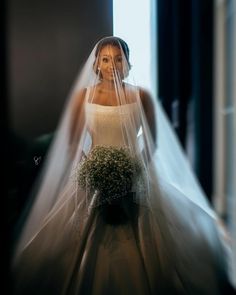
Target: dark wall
48,43
185,54
202,90
4,246
45,45
174,52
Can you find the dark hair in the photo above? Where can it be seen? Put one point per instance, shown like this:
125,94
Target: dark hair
114,41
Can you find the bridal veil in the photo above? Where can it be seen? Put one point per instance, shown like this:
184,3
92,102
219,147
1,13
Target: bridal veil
64,211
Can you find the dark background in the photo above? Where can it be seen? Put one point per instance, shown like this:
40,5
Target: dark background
44,44
185,34
47,44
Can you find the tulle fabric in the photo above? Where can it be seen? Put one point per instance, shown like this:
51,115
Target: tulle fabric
169,242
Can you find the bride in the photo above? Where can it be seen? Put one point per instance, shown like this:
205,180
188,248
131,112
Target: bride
117,209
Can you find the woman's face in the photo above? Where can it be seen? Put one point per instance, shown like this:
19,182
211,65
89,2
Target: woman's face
110,62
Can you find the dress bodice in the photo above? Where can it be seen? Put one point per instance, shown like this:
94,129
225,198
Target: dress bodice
112,125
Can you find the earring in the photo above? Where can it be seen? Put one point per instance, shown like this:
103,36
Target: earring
99,69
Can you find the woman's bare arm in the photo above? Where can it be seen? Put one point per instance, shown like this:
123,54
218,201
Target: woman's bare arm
149,110
77,119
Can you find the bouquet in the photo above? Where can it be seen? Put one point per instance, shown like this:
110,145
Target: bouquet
110,171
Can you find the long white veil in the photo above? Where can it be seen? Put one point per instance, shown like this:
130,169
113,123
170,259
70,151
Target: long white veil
62,203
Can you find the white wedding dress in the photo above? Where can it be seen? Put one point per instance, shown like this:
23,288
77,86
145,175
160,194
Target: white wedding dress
172,247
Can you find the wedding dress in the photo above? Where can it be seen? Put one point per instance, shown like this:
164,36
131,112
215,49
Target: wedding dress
171,245
106,259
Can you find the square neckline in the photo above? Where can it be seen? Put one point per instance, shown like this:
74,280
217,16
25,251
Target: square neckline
109,106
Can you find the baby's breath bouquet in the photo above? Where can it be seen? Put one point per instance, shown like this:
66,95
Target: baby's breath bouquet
110,171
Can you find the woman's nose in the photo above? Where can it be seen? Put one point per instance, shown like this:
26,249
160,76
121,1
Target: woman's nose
111,65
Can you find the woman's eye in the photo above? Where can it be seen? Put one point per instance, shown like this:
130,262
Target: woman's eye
105,59
119,59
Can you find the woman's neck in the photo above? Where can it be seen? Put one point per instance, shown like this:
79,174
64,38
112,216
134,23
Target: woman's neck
108,85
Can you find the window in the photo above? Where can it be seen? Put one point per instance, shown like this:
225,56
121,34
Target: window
134,21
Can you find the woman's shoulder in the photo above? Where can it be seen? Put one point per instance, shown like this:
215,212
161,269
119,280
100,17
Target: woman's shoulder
139,91
146,98
134,88
78,99
144,93
80,93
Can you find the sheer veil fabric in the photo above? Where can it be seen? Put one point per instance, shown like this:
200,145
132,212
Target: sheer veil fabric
159,234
